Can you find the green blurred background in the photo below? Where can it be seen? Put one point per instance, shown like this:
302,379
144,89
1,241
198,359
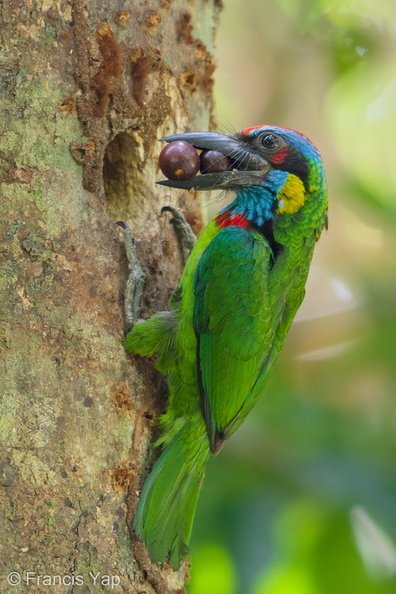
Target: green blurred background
302,500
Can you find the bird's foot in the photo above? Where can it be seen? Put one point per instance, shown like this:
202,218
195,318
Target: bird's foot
183,230
135,281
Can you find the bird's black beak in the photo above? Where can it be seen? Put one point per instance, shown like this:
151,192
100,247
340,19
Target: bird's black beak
248,166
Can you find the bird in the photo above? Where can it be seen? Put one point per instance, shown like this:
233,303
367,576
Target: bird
240,289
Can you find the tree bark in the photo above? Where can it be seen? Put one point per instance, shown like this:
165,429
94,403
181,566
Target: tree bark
87,89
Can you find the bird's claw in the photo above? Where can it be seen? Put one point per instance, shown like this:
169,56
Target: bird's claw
184,232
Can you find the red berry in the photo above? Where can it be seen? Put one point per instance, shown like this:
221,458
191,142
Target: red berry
179,160
214,162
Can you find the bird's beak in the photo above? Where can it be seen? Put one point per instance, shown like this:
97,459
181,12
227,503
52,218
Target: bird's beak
248,166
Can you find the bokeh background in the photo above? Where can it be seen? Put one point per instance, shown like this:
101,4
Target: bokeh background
302,500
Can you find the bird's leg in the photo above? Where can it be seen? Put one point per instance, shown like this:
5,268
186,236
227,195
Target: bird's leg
135,281
183,230
136,277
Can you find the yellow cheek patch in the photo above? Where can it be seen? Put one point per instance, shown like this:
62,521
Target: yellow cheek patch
292,195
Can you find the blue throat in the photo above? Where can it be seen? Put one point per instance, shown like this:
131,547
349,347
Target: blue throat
257,203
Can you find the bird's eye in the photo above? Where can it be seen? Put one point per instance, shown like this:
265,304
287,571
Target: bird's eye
271,142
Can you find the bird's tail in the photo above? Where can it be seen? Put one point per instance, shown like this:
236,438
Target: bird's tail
166,508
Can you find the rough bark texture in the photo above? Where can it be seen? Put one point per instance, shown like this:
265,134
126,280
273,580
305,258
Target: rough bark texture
87,87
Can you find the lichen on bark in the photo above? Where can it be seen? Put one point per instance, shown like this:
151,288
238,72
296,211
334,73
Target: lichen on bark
86,90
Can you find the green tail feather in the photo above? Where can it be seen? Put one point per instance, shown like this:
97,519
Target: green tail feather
167,504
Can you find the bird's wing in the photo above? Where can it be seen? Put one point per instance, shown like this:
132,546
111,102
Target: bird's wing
232,323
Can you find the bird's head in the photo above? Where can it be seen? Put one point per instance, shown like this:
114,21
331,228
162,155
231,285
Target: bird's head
273,170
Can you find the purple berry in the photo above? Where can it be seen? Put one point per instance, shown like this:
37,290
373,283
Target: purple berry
214,162
179,160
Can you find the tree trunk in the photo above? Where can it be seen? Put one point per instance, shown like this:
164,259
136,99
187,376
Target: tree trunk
87,89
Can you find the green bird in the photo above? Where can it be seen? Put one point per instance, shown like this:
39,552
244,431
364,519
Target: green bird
239,292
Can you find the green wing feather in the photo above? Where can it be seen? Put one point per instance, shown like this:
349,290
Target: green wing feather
232,322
